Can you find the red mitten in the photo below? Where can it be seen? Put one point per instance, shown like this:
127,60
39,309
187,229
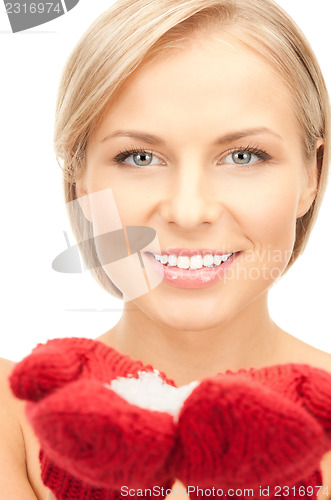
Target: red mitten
92,432
92,440
305,385
61,361
251,428
254,428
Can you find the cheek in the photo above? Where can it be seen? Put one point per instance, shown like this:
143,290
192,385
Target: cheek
268,216
123,199
271,216
132,207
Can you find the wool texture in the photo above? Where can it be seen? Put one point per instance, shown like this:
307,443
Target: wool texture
254,428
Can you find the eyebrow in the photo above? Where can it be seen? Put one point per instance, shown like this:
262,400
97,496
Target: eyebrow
154,139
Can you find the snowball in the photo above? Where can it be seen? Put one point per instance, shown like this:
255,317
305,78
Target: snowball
151,392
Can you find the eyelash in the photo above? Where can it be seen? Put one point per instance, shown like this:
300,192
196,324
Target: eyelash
123,155
253,150
120,158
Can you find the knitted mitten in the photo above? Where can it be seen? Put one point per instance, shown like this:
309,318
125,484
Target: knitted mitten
91,439
267,426
237,430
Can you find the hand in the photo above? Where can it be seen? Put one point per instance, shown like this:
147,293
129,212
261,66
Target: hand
89,442
257,427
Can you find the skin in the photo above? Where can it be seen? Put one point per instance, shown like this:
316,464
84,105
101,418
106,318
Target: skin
194,198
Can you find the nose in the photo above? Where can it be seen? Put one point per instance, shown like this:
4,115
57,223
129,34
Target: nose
191,197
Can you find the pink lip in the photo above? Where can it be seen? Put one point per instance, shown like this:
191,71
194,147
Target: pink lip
186,278
188,253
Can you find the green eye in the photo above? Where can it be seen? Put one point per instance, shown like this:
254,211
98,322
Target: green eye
241,157
142,159
136,158
246,156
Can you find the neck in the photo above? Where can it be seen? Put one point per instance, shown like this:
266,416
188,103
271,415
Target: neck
250,339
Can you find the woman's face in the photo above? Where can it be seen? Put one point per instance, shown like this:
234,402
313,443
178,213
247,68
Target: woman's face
222,169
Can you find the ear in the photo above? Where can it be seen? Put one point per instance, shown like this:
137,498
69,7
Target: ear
83,198
310,184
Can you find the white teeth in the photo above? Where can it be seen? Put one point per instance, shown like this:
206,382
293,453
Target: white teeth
194,262
183,262
164,259
172,260
208,260
218,259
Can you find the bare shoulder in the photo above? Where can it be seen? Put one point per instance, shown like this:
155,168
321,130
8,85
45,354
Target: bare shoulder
294,350
321,359
19,466
316,357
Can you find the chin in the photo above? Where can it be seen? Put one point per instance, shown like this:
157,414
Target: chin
187,314
189,322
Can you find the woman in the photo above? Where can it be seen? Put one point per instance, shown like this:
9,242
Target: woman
207,121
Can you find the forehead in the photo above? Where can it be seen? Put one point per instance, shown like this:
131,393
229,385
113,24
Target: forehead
213,83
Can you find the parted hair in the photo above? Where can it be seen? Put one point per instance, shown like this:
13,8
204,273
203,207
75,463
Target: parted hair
132,33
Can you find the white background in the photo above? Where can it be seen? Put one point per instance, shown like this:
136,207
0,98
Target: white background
36,302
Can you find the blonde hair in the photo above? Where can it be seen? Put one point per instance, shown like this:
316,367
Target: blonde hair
136,32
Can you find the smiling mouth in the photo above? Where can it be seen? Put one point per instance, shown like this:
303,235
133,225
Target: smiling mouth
192,262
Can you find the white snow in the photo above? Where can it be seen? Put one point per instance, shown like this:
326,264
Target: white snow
151,392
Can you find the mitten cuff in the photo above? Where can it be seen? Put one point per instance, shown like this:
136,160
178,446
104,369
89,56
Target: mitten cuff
66,487
61,361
